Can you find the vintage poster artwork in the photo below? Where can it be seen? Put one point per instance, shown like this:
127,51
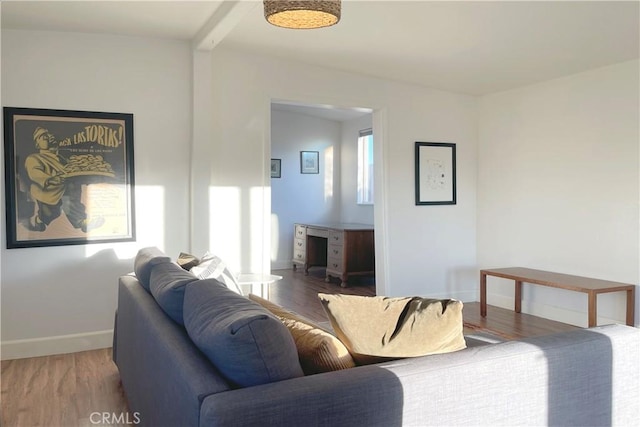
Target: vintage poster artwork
69,177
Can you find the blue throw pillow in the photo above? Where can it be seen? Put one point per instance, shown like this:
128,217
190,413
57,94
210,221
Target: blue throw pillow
247,344
167,282
145,260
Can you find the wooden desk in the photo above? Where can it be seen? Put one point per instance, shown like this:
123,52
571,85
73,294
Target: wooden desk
592,287
344,249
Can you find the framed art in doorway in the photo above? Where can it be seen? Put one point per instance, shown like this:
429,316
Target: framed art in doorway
309,162
276,168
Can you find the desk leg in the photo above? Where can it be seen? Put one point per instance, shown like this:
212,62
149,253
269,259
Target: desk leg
483,294
593,313
518,302
631,301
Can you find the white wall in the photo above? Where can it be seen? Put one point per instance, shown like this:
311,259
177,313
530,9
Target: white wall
558,179
351,211
297,197
558,187
63,298
429,250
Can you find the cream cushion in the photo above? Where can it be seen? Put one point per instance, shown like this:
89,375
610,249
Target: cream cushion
318,350
213,267
378,328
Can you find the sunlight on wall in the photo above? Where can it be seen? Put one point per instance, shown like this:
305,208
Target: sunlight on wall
328,173
257,238
225,215
150,223
275,236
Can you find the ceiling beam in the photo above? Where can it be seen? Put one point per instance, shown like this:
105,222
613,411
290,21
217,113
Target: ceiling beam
223,20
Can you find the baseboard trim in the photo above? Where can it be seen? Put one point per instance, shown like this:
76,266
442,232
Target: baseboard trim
61,344
281,265
464,296
547,311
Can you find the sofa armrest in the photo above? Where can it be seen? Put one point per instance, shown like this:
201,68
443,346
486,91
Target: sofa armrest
582,377
163,374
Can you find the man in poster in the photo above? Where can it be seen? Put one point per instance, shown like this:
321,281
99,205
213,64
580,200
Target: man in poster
46,170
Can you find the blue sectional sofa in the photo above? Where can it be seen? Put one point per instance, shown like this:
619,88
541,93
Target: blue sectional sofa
583,377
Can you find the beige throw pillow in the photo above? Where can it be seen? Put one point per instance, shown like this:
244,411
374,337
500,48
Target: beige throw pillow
379,328
318,350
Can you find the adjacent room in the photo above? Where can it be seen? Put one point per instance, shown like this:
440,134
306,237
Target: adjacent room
309,212
336,191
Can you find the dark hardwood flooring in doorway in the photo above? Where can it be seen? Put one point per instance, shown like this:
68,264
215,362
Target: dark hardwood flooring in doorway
64,390
299,293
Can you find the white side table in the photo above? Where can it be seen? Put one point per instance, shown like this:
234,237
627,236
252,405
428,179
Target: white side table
258,279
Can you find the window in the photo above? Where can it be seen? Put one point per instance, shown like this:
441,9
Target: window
365,167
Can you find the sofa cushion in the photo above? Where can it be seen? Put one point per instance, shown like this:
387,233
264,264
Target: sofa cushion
167,283
145,260
318,350
380,327
187,261
247,344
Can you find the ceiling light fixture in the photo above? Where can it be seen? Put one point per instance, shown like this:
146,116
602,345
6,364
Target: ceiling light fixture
302,14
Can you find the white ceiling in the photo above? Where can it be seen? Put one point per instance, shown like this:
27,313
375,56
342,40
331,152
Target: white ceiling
328,112
165,19
473,47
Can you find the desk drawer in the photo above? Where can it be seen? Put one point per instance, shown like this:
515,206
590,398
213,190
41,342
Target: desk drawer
299,255
335,264
299,244
335,251
317,232
336,237
300,231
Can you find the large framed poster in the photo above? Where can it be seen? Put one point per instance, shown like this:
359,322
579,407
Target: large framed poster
69,177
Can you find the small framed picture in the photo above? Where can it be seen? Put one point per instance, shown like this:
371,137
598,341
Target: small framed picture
276,165
435,169
309,162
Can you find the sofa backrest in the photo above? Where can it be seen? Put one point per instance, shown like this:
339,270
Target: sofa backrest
145,259
582,377
248,344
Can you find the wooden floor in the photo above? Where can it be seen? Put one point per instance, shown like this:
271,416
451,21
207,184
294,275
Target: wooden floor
75,389
508,324
61,390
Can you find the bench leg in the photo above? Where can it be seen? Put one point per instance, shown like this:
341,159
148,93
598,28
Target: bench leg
483,295
631,301
593,313
518,305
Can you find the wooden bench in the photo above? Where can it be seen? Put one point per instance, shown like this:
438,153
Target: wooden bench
592,287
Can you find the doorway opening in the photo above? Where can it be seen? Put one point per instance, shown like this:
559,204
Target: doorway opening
325,193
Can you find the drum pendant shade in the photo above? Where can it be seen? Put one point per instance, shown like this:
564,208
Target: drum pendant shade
302,14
